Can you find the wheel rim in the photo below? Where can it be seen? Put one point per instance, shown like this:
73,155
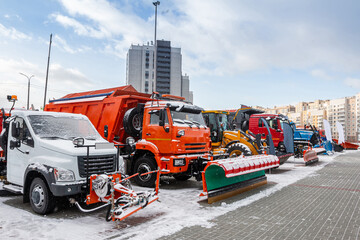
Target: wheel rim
144,168
235,153
37,196
136,122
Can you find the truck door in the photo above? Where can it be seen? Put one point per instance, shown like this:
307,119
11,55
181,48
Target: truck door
18,157
275,130
157,134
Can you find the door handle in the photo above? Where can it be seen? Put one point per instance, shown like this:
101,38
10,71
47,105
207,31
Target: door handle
148,134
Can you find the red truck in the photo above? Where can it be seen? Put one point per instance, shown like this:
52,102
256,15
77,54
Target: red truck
252,120
155,131
257,126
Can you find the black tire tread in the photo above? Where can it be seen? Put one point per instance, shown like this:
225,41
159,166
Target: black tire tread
239,147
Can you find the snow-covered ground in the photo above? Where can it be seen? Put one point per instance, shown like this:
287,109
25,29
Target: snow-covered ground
180,207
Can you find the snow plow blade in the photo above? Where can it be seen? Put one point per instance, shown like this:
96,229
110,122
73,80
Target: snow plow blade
228,177
310,156
347,145
319,150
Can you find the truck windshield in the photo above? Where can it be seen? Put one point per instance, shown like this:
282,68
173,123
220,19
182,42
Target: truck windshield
223,122
185,117
46,126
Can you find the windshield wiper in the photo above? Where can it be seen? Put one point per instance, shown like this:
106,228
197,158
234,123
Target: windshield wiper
54,137
189,123
178,120
199,124
90,138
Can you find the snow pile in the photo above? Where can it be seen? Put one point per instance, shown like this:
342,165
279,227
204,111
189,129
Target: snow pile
179,208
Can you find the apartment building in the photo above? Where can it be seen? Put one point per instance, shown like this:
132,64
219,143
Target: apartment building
163,76
345,110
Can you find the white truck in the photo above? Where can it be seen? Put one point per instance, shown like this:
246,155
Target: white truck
43,159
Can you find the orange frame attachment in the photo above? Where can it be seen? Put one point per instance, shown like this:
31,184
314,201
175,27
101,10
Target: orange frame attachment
116,192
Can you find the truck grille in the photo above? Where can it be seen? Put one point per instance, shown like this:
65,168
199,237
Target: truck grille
96,164
195,146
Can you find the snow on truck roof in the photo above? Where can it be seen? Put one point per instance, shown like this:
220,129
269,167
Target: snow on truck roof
176,105
22,113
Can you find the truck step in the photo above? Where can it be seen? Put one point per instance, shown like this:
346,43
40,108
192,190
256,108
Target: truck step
13,188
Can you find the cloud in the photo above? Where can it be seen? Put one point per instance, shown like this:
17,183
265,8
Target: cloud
14,16
12,33
318,73
62,44
79,28
61,81
69,76
219,38
352,82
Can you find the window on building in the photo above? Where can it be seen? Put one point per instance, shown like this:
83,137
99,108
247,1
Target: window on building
146,75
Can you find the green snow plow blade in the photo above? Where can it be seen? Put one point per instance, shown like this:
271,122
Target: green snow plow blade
225,178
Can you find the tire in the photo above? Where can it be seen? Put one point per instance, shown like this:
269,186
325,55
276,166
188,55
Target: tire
238,149
182,176
142,165
41,199
133,122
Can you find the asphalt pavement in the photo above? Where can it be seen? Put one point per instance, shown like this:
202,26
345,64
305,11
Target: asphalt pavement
325,205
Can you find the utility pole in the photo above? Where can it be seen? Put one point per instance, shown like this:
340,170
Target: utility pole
28,97
47,71
155,45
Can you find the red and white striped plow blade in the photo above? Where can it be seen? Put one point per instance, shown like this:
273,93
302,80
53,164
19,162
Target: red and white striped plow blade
310,156
243,165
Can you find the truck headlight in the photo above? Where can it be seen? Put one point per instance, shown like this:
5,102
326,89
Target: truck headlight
78,141
180,133
179,162
130,141
63,175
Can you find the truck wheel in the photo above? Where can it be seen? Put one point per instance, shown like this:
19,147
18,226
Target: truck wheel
182,176
142,165
133,122
41,199
238,149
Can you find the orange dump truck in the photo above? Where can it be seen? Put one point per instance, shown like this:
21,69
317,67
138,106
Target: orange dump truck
154,131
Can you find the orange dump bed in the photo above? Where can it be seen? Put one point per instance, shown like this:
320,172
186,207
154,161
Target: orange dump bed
105,108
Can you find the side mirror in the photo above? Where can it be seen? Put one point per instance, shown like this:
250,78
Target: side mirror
15,129
106,131
29,141
14,144
162,113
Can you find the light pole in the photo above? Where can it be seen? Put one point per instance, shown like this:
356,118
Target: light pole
157,3
28,98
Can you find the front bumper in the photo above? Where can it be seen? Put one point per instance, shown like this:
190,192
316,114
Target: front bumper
67,189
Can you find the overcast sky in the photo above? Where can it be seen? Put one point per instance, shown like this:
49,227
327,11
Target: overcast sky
264,52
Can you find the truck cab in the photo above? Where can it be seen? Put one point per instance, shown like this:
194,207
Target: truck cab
174,138
226,140
257,126
43,158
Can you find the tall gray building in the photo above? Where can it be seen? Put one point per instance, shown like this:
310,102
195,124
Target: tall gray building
140,70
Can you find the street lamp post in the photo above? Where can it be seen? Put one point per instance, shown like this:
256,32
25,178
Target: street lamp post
28,98
157,3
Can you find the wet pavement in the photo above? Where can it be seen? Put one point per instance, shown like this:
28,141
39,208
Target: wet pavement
325,205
